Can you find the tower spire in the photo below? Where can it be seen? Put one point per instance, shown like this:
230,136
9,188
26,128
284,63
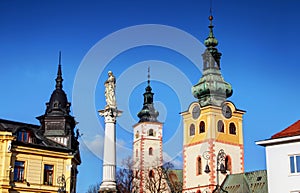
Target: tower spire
211,88
59,78
148,112
149,75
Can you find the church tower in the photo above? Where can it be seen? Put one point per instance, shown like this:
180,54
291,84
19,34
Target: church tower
213,131
57,123
147,142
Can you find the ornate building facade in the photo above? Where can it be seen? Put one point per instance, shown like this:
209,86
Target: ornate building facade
41,158
213,130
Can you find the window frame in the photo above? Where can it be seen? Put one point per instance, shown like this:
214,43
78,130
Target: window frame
199,165
19,170
24,135
48,175
222,130
228,163
150,151
231,129
294,162
190,129
202,127
151,133
151,174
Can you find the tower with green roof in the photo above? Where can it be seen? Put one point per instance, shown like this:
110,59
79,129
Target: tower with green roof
212,124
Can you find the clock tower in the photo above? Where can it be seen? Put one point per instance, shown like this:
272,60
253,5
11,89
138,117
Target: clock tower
212,125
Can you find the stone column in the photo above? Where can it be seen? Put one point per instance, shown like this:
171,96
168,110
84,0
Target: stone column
109,155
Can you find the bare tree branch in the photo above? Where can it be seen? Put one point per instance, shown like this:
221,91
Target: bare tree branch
126,177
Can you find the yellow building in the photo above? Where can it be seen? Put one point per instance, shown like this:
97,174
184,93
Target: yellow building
213,130
41,158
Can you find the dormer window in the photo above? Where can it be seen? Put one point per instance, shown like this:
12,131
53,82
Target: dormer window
24,136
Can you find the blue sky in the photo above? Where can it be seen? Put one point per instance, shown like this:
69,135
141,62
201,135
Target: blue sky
259,41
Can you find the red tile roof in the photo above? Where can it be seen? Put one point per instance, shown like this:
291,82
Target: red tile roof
292,130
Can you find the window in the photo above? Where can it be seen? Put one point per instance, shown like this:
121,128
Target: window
136,153
192,130
19,171
228,166
199,168
137,174
48,175
295,164
220,126
151,133
151,174
137,134
232,128
202,127
150,151
24,136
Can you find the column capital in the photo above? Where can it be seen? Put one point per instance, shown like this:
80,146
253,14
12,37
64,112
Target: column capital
110,114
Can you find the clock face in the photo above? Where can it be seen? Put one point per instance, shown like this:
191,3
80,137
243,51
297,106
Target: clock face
226,111
196,112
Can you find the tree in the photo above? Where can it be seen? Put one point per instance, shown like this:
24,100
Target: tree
158,181
127,177
94,188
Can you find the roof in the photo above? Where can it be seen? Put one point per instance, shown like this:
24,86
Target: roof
7,125
40,141
292,130
248,182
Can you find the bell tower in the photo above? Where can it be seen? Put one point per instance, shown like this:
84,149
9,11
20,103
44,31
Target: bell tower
147,142
212,126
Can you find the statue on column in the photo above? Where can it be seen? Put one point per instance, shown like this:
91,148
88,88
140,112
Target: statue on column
110,87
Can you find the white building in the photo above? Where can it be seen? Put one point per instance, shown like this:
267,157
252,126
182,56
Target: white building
147,146
283,160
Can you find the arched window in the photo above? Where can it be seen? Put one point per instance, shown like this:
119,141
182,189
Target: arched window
232,128
192,129
228,165
136,153
150,151
202,127
198,191
199,166
220,126
151,174
151,133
